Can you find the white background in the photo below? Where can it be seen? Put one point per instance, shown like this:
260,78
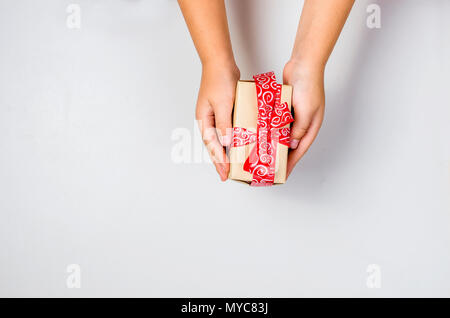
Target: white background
87,177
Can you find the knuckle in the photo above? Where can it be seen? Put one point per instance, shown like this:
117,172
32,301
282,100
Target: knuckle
208,135
223,124
298,132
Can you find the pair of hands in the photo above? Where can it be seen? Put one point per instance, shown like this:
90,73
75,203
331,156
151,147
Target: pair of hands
215,106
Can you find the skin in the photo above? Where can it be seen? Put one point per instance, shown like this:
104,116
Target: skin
320,24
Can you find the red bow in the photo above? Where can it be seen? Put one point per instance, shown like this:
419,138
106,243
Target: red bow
272,115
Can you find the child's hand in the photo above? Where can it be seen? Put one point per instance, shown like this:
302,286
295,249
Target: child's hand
208,25
308,101
214,109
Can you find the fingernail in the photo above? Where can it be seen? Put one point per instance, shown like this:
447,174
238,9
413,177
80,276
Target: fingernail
222,173
294,143
223,177
225,140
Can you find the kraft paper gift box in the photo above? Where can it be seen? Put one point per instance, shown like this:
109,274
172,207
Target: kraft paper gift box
245,115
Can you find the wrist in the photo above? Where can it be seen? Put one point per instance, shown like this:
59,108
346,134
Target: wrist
309,65
297,69
307,59
225,67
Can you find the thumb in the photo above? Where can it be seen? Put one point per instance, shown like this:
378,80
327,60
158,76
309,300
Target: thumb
224,125
299,128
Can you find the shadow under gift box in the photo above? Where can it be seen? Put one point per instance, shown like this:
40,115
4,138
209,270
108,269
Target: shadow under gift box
245,115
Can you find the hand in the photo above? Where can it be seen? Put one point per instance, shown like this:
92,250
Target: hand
308,101
214,109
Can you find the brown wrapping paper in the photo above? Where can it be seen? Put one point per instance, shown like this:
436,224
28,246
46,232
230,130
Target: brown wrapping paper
245,115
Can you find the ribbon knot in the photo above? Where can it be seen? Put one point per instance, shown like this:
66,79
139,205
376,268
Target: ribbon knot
272,116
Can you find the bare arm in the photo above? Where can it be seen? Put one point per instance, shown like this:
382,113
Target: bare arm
320,24
207,23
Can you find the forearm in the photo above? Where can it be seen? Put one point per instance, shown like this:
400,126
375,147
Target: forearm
320,24
208,25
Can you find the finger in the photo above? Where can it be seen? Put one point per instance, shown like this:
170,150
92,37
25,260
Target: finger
218,158
305,142
300,127
206,122
223,122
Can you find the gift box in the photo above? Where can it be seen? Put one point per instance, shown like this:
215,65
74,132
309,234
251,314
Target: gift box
261,121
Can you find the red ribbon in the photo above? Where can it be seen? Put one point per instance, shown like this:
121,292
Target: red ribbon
272,116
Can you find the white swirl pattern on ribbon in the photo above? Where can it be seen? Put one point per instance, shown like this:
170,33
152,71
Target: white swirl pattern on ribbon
272,116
